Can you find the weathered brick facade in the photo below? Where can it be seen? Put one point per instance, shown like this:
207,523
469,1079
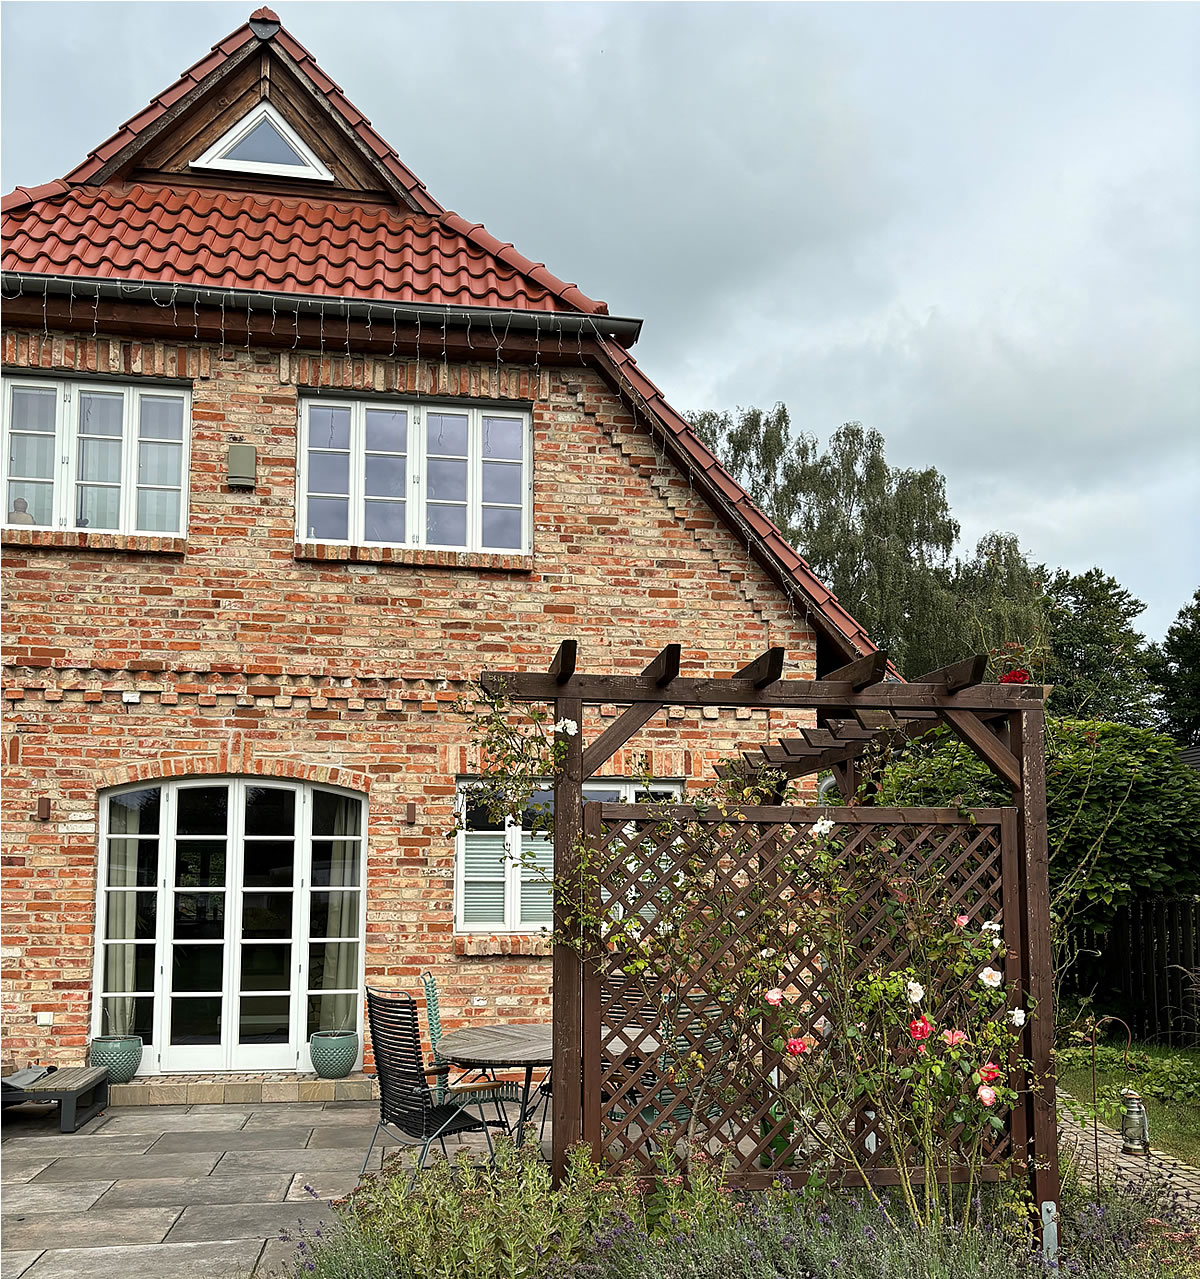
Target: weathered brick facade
234,650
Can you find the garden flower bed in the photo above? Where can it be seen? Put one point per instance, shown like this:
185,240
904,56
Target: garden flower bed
458,1221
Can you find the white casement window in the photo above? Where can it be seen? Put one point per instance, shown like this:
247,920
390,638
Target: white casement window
95,456
503,870
230,920
404,474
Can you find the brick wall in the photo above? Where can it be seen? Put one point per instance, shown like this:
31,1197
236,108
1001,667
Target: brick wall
252,654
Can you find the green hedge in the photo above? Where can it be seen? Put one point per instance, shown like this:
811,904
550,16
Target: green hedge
1119,794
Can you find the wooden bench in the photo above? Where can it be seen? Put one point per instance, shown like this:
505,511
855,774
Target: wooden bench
81,1093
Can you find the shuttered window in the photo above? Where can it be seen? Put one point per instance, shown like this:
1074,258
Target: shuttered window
505,868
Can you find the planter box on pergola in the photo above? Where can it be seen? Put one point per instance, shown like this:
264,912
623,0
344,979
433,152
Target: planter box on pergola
856,705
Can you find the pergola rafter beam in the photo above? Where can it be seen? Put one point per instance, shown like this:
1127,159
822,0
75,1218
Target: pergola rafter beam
964,674
862,672
783,695
662,670
766,669
563,666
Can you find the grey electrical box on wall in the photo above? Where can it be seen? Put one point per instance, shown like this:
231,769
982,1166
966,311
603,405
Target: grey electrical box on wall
242,465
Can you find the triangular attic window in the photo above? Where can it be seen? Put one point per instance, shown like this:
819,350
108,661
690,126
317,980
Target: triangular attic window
263,142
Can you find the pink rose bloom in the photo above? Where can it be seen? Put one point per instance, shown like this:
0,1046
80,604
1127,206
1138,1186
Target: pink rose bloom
796,1047
774,997
954,1037
961,921
986,1095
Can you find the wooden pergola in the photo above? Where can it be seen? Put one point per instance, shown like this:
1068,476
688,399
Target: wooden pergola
855,706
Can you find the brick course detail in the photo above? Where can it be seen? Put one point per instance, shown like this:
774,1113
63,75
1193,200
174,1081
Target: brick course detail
237,650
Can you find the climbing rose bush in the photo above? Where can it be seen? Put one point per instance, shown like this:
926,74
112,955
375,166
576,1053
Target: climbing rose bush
923,1044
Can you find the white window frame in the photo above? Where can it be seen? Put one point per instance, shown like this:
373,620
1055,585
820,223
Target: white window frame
67,438
313,170
628,791
417,474
235,1056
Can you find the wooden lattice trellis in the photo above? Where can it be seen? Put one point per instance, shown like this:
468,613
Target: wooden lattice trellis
854,706
667,1059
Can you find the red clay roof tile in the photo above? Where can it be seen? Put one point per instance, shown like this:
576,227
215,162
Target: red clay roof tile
194,236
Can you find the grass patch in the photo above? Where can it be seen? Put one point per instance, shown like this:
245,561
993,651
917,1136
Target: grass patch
1172,1073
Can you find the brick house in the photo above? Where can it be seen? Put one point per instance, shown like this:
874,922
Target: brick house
291,452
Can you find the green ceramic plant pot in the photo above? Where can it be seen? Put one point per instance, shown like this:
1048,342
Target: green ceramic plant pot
333,1052
121,1054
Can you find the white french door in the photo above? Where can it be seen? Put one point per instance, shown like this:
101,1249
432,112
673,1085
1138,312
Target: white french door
231,913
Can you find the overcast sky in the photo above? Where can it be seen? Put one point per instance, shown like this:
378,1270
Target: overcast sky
971,226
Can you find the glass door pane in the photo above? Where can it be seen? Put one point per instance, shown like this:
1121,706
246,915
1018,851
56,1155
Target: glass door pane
197,1015
266,969
333,957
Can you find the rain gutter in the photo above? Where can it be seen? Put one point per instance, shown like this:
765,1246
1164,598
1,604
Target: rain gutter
500,320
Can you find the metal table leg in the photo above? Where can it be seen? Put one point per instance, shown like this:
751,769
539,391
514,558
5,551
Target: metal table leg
524,1105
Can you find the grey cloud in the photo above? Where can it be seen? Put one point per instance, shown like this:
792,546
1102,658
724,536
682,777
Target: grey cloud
972,226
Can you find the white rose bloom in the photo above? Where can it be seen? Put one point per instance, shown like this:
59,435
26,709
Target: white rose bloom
822,826
767,954
991,926
997,942
567,726
915,992
990,977
1017,1016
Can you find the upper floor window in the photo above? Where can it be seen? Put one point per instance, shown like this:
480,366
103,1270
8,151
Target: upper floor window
95,456
403,474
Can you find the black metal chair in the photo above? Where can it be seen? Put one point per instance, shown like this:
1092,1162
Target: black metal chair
407,1108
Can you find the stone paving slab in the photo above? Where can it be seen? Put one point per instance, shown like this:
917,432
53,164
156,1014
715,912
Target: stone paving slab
248,1188
15,1169
245,1221
17,1263
145,1119
357,1114
335,1137
276,1254
326,1183
84,1230
314,1160
78,1144
66,1196
228,1260
175,1143
93,1167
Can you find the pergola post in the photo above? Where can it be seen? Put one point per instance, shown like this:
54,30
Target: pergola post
1027,736
567,1096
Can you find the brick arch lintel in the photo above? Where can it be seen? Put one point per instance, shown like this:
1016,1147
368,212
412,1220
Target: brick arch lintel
224,763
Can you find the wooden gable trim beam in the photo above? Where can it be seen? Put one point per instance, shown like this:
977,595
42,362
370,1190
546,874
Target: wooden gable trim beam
662,670
766,669
144,138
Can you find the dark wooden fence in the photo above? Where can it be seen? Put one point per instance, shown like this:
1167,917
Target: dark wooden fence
1146,968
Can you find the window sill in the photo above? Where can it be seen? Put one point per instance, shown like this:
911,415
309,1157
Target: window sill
73,540
481,945
488,561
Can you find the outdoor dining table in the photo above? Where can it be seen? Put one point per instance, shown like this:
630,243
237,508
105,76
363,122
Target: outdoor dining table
502,1047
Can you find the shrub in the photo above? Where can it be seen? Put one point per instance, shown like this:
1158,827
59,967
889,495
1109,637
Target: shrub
454,1221
1175,1078
1123,809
